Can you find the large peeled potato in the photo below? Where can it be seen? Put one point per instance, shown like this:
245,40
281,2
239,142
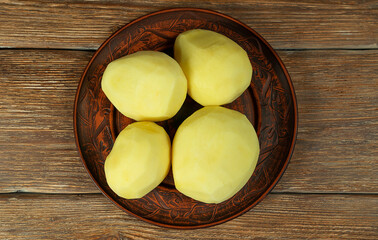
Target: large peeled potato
145,85
218,69
214,153
139,160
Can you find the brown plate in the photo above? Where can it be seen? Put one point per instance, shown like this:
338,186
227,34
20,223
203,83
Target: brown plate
269,103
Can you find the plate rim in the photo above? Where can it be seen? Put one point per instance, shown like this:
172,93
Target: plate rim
292,93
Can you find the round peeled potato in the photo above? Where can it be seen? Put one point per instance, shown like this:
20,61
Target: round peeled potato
218,69
145,86
139,160
214,154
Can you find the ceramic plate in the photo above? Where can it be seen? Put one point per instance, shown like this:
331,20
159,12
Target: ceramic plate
269,103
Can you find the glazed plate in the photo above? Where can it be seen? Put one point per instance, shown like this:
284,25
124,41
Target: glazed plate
269,103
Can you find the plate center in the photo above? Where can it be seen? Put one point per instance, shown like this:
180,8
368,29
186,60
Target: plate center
245,104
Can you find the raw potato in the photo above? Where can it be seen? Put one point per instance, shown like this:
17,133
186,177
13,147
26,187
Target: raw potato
145,86
218,69
214,154
139,160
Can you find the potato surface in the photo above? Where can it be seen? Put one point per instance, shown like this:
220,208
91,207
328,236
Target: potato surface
218,70
139,160
214,154
145,86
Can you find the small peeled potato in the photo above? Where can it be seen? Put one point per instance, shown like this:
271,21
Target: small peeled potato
214,154
145,86
139,160
218,69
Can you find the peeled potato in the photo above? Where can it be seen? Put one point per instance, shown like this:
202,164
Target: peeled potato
218,69
214,154
145,86
139,160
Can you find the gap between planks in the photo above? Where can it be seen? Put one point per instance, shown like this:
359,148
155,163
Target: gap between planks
276,49
20,193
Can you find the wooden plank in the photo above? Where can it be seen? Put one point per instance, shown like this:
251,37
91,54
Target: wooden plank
37,144
284,23
279,216
335,152
338,121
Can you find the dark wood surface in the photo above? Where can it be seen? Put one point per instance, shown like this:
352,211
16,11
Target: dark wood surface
329,190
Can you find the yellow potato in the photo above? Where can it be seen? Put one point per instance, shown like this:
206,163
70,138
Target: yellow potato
218,69
214,154
145,86
139,160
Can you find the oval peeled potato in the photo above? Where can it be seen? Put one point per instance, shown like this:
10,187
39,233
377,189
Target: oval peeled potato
139,160
214,153
218,70
145,86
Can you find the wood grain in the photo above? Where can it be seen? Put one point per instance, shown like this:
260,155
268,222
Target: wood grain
285,24
306,216
338,122
330,189
37,145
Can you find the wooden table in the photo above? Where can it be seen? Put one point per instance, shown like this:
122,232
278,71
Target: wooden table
329,189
